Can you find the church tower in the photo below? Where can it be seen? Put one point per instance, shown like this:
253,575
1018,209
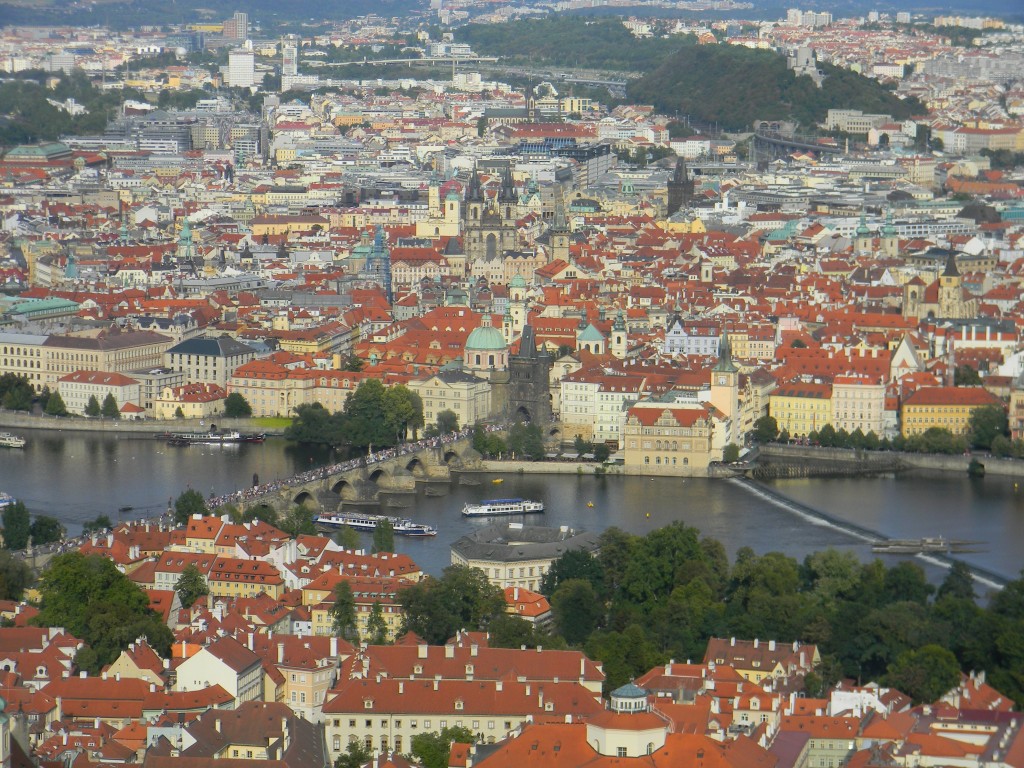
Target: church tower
378,263
517,303
680,189
950,289
490,224
890,241
620,337
434,198
862,237
560,229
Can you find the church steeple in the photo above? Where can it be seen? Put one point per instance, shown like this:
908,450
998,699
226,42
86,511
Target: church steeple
378,263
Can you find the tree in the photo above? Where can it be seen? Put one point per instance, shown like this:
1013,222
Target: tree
576,609
343,612
731,453
298,522
15,576
356,755
46,530
766,429
574,564
315,424
94,601
403,411
384,536
16,392
191,585
433,749
17,525
178,413
463,598
925,674
92,408
509,631
55,405
190,502
966,376
353,363
447,422
601,452
236,406
376,628
110,409
959,583
347,537
986,424
97,525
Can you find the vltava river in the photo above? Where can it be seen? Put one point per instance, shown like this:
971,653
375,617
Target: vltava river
76,476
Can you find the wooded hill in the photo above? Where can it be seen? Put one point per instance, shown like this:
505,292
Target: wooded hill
724,84
734,86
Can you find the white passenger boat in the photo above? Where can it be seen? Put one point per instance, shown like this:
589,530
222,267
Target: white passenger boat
363,522
498,507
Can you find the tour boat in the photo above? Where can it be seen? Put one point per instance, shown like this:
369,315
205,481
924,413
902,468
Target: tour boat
7,440
363,522
496,507
213,438
6,500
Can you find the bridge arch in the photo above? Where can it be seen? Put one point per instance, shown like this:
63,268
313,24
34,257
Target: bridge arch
306,499
345,490
452,459
377,474
416,467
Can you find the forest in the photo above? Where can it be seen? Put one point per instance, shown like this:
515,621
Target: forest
646,599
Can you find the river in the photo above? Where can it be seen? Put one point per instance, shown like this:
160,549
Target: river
77,476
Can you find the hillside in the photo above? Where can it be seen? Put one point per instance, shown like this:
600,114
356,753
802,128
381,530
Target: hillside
734,86
570,41
133,13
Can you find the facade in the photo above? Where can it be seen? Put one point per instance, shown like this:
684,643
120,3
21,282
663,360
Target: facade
241,69
945,407
77,388
193,401
468,397
858,402
112,350
517,555
489,224
801,408
227,663
528,396
208,360
669,439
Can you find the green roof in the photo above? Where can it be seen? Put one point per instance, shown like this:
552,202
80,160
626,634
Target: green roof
590,333
486,338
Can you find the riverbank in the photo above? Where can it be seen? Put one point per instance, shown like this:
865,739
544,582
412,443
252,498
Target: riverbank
14,421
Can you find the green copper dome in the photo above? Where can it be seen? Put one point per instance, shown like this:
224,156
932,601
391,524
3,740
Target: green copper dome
486,338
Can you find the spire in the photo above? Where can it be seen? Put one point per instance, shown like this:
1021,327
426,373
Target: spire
559,224
473,192
888,230
862,228
583,320
620,321
951,269
724,364
508,185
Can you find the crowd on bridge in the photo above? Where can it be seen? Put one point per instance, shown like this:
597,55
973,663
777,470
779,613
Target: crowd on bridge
320,473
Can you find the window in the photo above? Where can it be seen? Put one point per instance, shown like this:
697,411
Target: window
620,751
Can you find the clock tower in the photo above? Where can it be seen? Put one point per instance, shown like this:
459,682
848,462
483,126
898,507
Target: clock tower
725,388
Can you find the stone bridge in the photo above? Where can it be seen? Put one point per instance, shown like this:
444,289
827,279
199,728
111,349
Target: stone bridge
365,484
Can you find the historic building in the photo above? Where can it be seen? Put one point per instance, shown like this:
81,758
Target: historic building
489,225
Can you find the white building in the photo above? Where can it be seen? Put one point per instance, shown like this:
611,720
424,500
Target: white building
241,69
77,388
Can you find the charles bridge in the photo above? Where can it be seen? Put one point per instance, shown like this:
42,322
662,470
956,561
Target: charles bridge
396,471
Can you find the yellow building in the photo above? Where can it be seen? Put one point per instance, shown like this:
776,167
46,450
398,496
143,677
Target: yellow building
191,401
800,408
945,407
234,577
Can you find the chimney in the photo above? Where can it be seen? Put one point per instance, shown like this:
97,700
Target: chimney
401,687
755,642
449,651
474,649
771,645
280,653
732,642
334,645
421,651
216,725
286,737
527,689
498,686
436,681
249,641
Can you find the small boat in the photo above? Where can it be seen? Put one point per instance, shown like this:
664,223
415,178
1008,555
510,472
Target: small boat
6,500
361,522
590,504
498,507
498,480
7,440
125,509
924,546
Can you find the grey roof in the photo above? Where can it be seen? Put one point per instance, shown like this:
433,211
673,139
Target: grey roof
219,346
504,543
629,691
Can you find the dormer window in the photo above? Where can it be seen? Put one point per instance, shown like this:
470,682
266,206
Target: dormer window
418,669
458,705
367,703
469,669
